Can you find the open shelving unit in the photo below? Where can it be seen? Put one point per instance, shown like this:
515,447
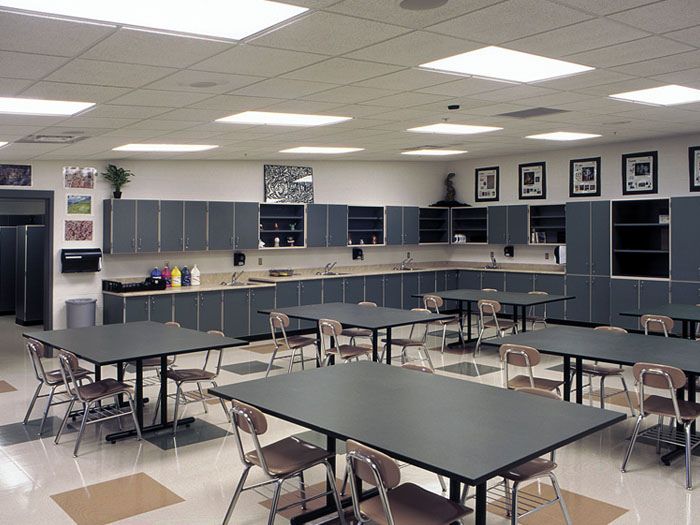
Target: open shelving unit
283,221
640,238
472,223
434,226
365,225
548,224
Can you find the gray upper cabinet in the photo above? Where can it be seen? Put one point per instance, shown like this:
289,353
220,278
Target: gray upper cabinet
337,225
600,238
120,215
411,225
497,225
247,225
221,232
147,226
394,225
518,224
316,225
578,236
685,256
172,215
195,226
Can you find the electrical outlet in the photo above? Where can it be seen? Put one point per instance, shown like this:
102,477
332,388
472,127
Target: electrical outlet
546,256
408,255
259,261
491,254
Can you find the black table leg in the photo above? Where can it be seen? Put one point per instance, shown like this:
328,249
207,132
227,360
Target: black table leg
480,511
319,357
462,343
163,390
460,311
98,372
120,378
579,380
455,490
330,447
684,332
388,345
139,392
469,319
375,343
567,378
524,318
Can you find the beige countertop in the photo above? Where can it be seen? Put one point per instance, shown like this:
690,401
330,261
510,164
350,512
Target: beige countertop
190,289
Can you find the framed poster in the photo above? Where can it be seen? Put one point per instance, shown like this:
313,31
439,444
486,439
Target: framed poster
584,177
79,204
293,184
694,167
79,178
486,184
640,173
532,180
15,175
78,230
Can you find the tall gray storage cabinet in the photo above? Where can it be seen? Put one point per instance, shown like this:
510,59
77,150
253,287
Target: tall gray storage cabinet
29,306
8,256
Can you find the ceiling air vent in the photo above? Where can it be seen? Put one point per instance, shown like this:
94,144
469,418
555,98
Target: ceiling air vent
51,139
532,112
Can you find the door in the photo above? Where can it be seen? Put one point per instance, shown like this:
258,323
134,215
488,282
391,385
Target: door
147,223
8,258
600,238
186,308
161,308
410,287
392,291
316,225
518,224
600,300
685,293
578,238
685,256
310,292
220,226
624,296
171,226
136,309
497,224
195,226
123,226
440,281
394,225
354,289
236,313
374,289
553,285
337,225
579,308
287,295
247,223
261,298
653,294
333,290
210,304
410,224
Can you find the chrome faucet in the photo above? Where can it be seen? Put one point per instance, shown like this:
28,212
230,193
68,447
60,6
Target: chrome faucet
327,269
404,265
494,264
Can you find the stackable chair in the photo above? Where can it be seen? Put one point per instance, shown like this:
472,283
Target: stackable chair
433,303
331,329
532,314
522,356
417,338
355,333
656,324
488,318
279,323
281,461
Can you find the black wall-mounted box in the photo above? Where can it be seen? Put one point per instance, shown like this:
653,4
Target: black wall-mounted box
81,260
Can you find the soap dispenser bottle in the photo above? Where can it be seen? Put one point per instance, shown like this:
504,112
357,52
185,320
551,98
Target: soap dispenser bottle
196,276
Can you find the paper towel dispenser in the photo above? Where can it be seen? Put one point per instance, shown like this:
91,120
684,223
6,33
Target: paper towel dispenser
81,260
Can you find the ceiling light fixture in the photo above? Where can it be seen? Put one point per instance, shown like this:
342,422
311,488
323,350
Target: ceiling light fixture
213,19
166,148
282,119
421,5
505,64
3,144
670,95
563,136
433,152
322,150
453,129
35,106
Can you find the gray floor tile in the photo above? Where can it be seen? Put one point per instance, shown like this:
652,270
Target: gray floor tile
198,432
250,367
15,433
467,368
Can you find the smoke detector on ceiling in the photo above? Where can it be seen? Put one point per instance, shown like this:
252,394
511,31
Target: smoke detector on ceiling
421,5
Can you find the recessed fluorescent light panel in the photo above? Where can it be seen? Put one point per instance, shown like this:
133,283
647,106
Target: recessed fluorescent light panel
563,136
167,148
35,106
434,152
282,119
505,64
321,150
661,96
224,19
453,129
3,144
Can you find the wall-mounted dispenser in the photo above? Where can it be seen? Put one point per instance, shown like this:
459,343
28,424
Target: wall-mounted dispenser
508,251
358,254
81,260
238,259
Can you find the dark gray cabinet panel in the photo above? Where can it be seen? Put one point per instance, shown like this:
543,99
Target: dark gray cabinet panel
518,224
410,225
578,309
374,289
172,226
354,289
578,238
316,225
210,306
394,225
8,269
112,309
493,280
440,281
410,287
498,225
221,231
600,238
287,295
195,226
519,282
624,296
247,224
123,226
236,313
337,225
653,294
161,308
186,308
685,257
553,285
333,290
469,280
260,298
136,309
392,291
310,292
147,218
29,269
685,293
426,282
600,300
451,283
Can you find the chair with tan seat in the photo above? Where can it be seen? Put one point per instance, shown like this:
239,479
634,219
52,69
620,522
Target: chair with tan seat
656,324
417,338
51,379
151,364
669,379
533,315
396,503
488,310
433,303
279,323
353,333
281,461
331,329
91,397
522,356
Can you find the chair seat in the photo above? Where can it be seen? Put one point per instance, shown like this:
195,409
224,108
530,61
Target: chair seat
102,388
404,342
151,362
349,351
288,455
533,469
413,505
502,324
601,370
180,375
356,332
299,341
540,382
55,376
449,321
663,406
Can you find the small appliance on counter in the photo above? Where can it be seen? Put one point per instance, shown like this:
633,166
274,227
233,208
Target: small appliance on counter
285,272
460,238
508,251
358,254
149,284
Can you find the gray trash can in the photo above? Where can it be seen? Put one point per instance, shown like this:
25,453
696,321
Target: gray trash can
80,312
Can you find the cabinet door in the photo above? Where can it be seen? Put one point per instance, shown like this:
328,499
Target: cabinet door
451,283
600,238
624,296
374,289
221,233
112,309
195,226
333,290
410,224
236,313
310,292
186,308
123,226
287,295
354,289
493,280
578,238
426,282
469,280
136,309
316,225
8,268
260,298
247,223
518,229
337,225
685,293
440,278
519,282
392,291
394,225
653,294
685,256
171,226
161,308
600,300
410,287
578,309
553,285
497,224
147,219
210,311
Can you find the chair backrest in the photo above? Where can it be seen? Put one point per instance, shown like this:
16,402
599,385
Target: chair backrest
659,376
173,324
369,304
659,324
365,459
331,329
488,307
279,321
37,352
419,331
519,355
433,302
418,368
612,329
252,421
68,362
539,392
219,351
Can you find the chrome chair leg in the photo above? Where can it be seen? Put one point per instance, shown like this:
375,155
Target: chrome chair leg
46,410
444,336
443,485
660,423
465,495
178,392
302,490
236,495
424,349
272,360
117,407
506,486
155,413
688,456
560,497
291,361
32,403
331,479
632,441
133,416
629,397
86,411
275,503
201,395
602,392
64,421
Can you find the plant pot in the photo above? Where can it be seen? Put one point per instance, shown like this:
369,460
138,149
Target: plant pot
117,194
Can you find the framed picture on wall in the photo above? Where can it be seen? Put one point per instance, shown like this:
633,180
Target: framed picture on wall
15,175
486,184
640,173
584,177
694,167
532,180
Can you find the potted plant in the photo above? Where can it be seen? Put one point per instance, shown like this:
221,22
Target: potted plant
117,177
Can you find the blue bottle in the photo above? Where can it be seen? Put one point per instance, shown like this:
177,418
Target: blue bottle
186,276
155,273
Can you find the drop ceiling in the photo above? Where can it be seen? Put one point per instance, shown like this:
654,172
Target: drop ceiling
354,58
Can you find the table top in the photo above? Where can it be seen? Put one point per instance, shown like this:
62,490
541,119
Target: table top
679,312
461,429
609,347
109,344
359,316
509,298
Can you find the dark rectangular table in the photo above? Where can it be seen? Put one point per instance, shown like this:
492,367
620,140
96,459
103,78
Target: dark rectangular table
688,314
354,315
116,344
466,431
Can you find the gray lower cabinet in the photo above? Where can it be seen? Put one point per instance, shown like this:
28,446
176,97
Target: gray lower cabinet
236,313
247,225
333,290
394,225
497,224
426,282
600,238
172,216
392,291
220,226
600,300
553,285
374,289
410,287
161,308
685,292
287,295
112,309
493,280
147,226
210,311
685,256
469,280
310,292
624,295
579,308
354,289
136,309
195,226
260,298
186,309
316,225
653,294
451,283
517,282
440,278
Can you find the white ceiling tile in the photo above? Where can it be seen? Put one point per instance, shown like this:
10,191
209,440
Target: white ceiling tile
28,66
690,35
260,61
282,88
192,114
407,100
19,151
660,66
88,121
587,79
689,78
514,93
303,106
152,97
341,71
407,79
10,87
114,111
616,55
359,110
510,20
605,7
311,4
349,94
229,104
620,87
131,134
329,33
465,86
663,16
161,125
77,92
101,73
189,80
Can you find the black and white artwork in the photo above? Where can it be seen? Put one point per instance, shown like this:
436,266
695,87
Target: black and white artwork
640,173
486,186
584,177
532,180
694,167
289,184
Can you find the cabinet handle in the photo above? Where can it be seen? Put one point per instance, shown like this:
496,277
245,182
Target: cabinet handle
140,243
231,240
187,242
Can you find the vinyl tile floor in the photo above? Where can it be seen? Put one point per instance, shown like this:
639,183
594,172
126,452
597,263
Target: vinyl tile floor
189,480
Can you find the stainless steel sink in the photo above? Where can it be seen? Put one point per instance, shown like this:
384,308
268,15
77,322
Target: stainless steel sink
326,274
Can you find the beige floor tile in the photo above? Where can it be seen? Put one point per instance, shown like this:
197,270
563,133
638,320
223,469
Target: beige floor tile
294,495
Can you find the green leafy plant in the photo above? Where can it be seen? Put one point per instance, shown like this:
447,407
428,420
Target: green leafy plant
117,176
